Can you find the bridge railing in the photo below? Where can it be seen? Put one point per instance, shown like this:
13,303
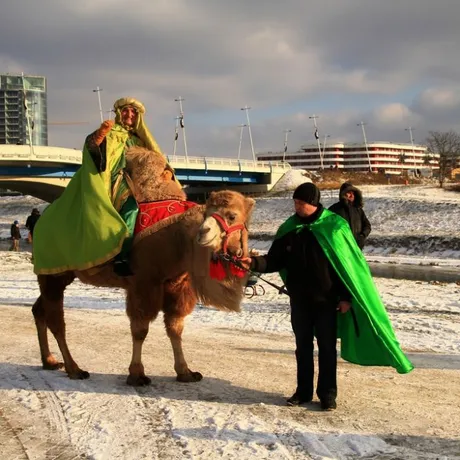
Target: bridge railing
39,153
225,163
65,155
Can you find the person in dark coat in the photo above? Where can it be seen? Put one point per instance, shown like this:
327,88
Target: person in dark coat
350,207
316,293
30,223
15,236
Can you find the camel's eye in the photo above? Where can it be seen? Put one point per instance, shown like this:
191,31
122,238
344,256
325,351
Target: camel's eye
231,216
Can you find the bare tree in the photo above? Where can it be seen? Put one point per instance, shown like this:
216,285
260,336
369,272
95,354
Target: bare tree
447,146
427,159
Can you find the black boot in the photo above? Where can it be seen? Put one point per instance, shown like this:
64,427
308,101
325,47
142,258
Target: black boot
328,403
296,400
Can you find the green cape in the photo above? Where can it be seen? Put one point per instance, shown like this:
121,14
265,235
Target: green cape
82,228
376,344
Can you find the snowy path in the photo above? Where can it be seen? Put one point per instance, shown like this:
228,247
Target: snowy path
237,411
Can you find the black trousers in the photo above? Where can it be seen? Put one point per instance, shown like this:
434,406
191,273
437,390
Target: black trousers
320,320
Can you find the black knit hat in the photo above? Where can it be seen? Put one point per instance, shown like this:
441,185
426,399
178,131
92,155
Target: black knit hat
307,192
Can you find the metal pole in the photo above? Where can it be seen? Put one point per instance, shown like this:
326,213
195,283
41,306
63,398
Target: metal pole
180,99
241,139
176,135
98,91
246,109
412,142
314,117
362,124
286,133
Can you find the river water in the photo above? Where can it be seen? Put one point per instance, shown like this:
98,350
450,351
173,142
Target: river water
415,272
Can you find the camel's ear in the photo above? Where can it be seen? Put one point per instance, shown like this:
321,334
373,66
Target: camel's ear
249,205
211,198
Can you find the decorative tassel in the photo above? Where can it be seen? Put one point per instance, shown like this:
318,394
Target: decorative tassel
217,270
237,271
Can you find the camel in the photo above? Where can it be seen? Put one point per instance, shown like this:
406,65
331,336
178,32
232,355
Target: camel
171,270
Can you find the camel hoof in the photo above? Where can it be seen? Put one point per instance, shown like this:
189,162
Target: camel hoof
53,366
138,380
189,377
79,375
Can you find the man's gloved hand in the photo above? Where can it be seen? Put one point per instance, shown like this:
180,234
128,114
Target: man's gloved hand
246,262
105,128
343,306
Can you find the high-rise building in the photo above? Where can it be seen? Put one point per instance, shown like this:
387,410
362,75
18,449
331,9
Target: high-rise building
23,110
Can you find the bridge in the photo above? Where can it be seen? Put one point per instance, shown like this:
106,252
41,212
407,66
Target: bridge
44,172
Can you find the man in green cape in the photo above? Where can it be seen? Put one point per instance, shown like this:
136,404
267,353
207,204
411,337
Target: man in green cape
94,218
325,272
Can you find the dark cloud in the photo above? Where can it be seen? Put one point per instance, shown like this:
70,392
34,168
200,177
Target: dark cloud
223,55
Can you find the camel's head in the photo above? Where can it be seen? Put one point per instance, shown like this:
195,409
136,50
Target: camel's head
225,227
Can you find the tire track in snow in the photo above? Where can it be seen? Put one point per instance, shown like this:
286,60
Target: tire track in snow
36,405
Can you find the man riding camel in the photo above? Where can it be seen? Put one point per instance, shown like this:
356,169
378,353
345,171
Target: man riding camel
94,218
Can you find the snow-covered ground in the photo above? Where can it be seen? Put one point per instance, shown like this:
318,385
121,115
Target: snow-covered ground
245,418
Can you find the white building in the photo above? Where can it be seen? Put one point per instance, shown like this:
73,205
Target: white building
386,157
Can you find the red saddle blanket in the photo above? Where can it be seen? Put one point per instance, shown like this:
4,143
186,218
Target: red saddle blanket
151,213
155,211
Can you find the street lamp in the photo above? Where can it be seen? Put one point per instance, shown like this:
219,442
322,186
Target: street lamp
98,91
362,124
180,119
241,139
410,129
246,109
314,117
286,133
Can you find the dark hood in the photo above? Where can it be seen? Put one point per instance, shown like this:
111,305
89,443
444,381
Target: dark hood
349,187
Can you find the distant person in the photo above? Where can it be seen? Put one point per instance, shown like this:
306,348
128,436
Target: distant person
350,207
30,223
15,236
325,272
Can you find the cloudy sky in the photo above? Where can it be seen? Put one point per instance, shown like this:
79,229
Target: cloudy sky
392,64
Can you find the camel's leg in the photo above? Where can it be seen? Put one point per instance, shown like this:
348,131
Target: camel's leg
179,302
142,306
48,360
50,308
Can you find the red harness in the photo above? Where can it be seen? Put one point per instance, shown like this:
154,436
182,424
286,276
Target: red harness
153,212
226,229
216,268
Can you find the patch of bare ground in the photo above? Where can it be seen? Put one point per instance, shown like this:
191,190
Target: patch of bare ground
333,179
454,187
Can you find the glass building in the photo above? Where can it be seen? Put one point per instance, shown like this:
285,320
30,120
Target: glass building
23,110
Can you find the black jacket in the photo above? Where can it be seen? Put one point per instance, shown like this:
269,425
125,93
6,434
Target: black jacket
15,232
31,221
310,276
353,213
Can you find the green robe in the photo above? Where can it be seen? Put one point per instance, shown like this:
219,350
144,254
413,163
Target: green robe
83,228
376,344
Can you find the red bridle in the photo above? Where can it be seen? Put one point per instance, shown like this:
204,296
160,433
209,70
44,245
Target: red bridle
227,229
